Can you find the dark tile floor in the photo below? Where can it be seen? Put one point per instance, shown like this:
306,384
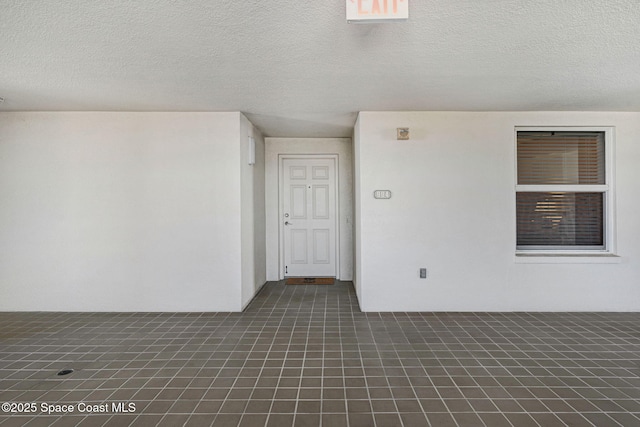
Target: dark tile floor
306,356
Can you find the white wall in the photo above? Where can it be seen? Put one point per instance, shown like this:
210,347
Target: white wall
343,148
252,211
357,211
452,211
120,211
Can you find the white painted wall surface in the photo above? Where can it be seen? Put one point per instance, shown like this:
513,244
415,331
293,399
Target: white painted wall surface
357,211
452,211
252,211
120,211
343,148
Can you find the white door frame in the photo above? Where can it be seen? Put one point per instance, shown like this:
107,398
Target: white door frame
281,158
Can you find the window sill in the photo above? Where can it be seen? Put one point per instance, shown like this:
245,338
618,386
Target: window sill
556,258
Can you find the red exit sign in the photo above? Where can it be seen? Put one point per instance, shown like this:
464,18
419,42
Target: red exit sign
377,10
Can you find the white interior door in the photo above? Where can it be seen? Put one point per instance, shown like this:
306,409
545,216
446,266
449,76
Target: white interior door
309,217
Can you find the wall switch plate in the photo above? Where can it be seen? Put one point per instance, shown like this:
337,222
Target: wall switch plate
423,273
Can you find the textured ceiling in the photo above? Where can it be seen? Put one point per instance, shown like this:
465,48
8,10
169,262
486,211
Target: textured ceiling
296,68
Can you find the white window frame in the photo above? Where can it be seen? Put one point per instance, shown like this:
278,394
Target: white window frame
578,255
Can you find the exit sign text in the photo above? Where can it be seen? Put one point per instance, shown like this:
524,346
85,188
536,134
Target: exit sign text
377,10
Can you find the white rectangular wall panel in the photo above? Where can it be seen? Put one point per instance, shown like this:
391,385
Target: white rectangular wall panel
120,212
453,211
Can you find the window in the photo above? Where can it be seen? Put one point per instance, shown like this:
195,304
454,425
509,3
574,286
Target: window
563,191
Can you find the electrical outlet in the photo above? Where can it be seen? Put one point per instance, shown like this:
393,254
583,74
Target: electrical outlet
423,273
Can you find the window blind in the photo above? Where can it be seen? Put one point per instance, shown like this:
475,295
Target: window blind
560,219
561,158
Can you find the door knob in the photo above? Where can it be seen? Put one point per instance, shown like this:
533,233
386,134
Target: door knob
287,223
